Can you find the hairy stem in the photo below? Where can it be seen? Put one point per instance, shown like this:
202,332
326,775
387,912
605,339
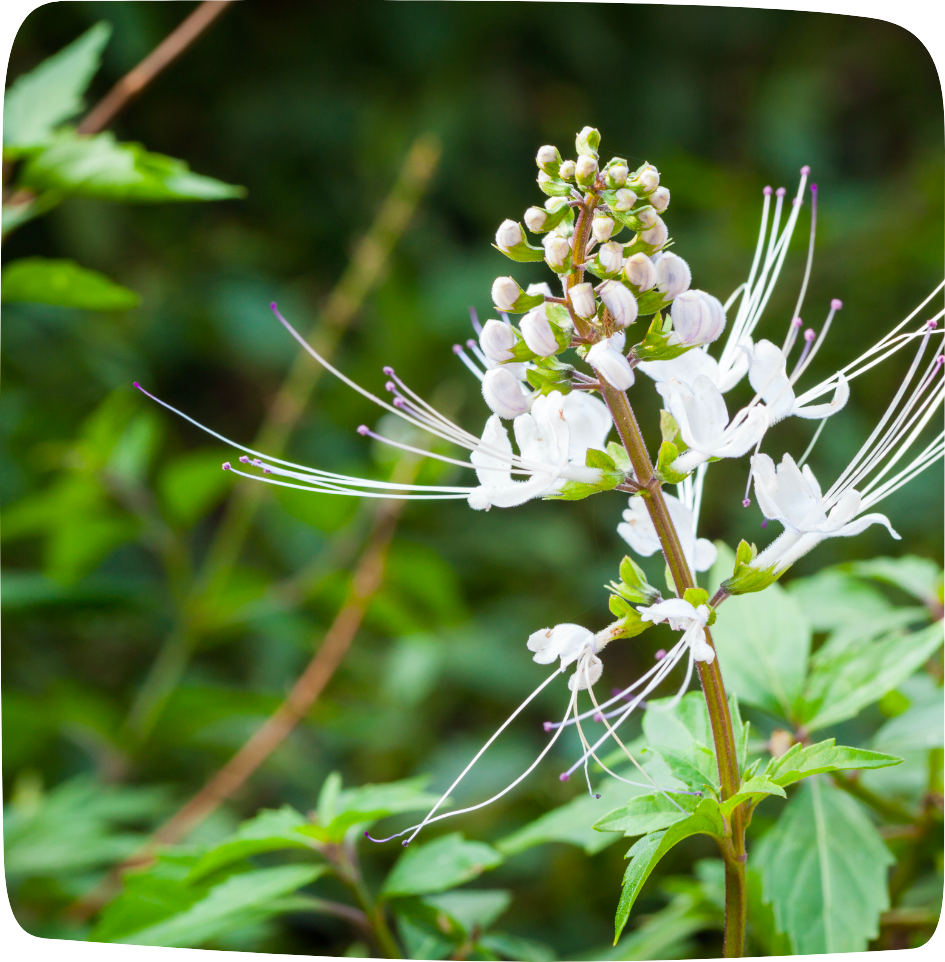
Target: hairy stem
709,674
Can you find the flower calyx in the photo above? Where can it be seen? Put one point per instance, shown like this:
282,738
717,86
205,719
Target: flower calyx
608,478
747,576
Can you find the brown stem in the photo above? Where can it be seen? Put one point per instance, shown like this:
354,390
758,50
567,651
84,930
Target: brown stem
164,54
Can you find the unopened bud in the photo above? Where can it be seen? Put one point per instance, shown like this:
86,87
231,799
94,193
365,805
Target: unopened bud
508,235
535,219
537,333
620,302
552,186
672,275
657,235
640,272
497,340
611,257
582,300
587,141
616,175
648,179
602,227
647,217
698,318
557,251
505,292
624,199
540,288
548,159
566,170
502,393
586,170
660,198
607,358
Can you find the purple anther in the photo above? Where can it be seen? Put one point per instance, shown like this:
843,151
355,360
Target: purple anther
660,655
399,402
932,325
137,385
457,348
226,465
780,192
797,322
363,429
836,304
764,524
598,717
405,843
244,459
940,360
390,386
768,191
471,342
273,306
805,170
548,726
813,188
388,371
810,334
746,503
597,796
563,777
267,470
367,834
616,691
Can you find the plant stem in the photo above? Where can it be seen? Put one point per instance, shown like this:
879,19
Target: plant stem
709,674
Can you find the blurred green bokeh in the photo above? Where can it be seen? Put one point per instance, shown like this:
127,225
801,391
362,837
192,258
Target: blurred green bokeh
312,106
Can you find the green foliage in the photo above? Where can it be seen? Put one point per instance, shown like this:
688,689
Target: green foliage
747,578
682,738
439,865
655,346
823,869
63,282
802,761
610,477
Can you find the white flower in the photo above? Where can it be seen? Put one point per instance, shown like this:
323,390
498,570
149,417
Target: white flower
585,168
640,271
687,367
607,358
539,288
660,198
620,302
589,423
648,179
657,235
505,292
672,275
563,641
638,531
497,340
535,218
602,227
566,170
611,256
698,318
557,250
582,299
682,616
508,235
703,422
503,392
768,376
624,199
537,333
547,156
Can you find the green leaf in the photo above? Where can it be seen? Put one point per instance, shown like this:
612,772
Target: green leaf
52,92
705,820
681,738
648,813
619,453
515,947
799,762
654,346
664,463
763,644
252,894
747,578
442,864
271,830
753,790
572,823
103,168
472,910
839,688
40,280
919,727
823,868
834,599
192,484
406,795
610,477
919,577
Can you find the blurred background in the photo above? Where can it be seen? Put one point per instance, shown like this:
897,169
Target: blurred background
111,666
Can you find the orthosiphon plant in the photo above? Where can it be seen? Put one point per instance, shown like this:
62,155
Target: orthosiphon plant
576,435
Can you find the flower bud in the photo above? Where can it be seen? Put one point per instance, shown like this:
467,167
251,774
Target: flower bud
586,170
587,141
616,175
540,288
624,199
535,218
647,178
607,358
566,170
497,340
538,334
660,198
502,393
657,235
552,186
557,252
620,302
647,217
548,159
582,300
672,276
508,235
602,227
698,318
640,272
611,257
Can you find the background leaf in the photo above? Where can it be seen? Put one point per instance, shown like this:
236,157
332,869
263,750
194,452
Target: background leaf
438,865
63,282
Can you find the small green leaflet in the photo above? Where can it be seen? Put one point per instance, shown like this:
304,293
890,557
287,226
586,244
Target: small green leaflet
610,477
654,346
648,813
439,865
800,762
747,579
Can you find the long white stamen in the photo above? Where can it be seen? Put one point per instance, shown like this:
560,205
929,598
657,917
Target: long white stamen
461,354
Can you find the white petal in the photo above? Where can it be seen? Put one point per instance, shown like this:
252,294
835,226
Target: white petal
587,675
705,555
817,412
675,609
491,469
768,377
861,524
589,423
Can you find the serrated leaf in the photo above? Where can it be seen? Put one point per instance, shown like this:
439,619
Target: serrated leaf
51,93
682,737
823,869
40,280
705,820
800,762
442,864
648,813
763,644
839,689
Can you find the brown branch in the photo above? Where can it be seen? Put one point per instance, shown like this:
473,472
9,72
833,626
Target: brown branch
165,53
